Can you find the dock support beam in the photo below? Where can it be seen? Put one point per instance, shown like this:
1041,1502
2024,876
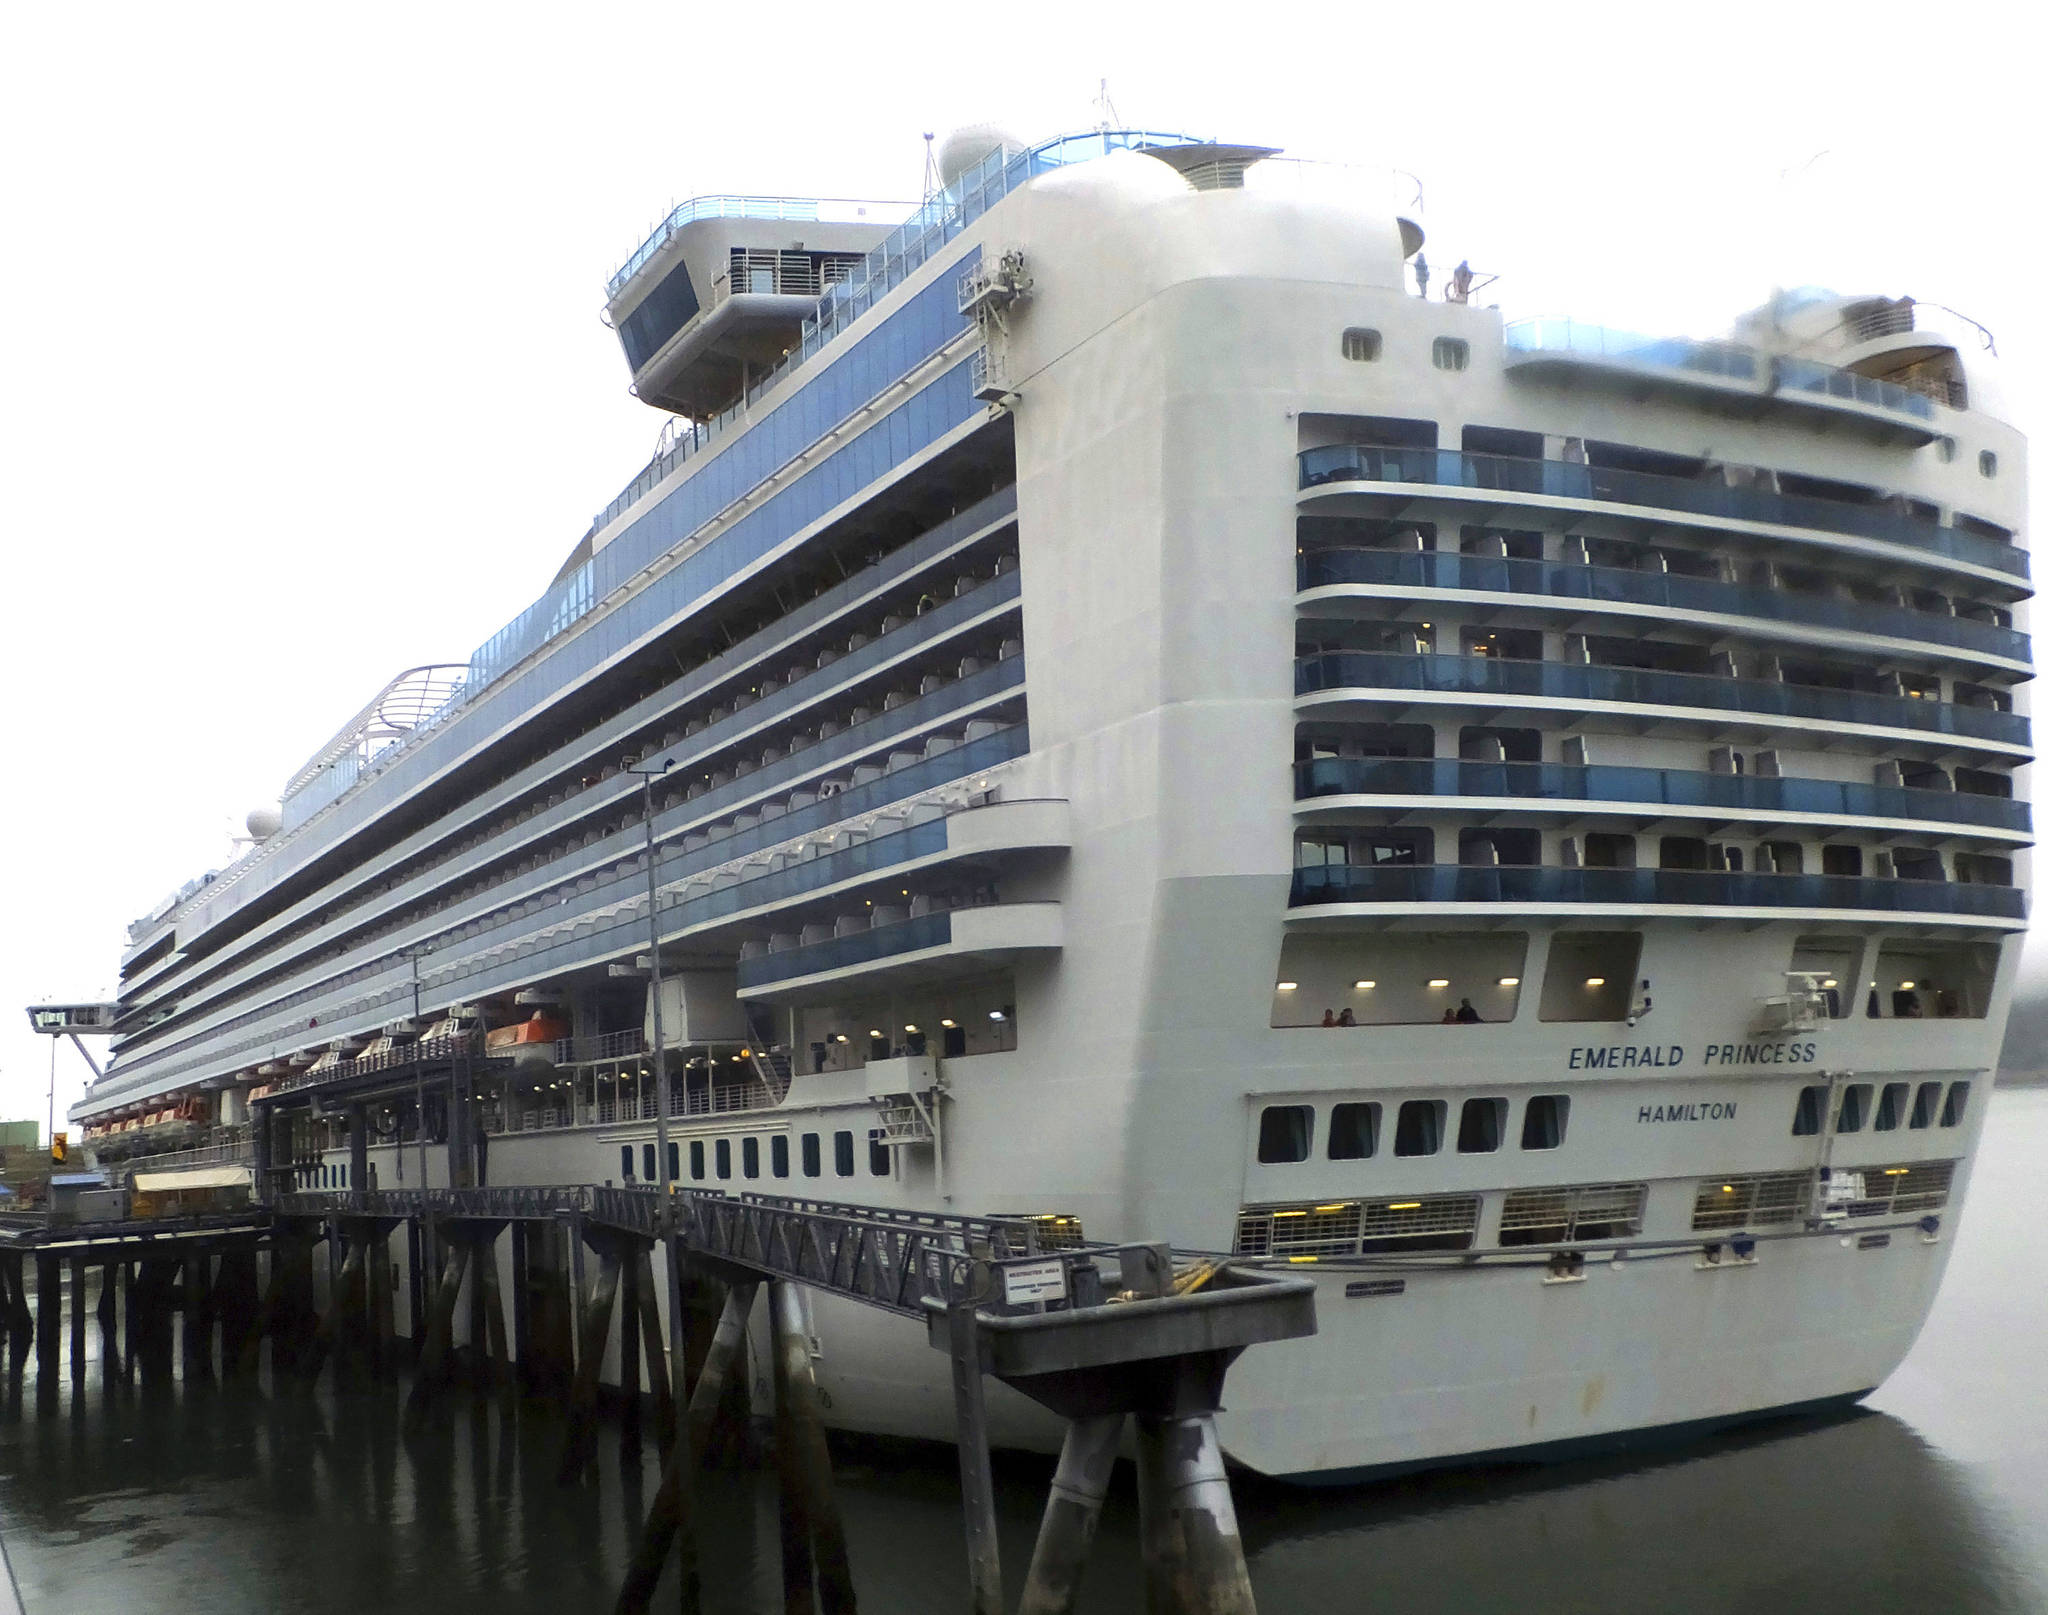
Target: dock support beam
977,1485
1073,1510
49,1313
813,1535
1187,1524
597,1328
440,1331
673,1516
77,1318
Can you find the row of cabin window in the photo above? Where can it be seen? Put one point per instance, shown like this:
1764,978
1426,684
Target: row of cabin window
1286,1132
720,1158
1893,1108
1452,353
333,1177
1519,846
1363,344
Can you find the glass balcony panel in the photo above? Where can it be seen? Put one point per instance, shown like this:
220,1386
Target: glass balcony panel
1443,883
1560,782
1448,468
1571,581
1370,671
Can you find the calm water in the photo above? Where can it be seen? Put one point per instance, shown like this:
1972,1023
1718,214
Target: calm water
1932,1500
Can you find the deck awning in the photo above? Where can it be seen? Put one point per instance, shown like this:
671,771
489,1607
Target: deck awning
205,1177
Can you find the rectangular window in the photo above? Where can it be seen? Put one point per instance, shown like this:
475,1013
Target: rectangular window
1958,1099
1565,1216
648,1169
842,1154
1544,1120
1284,1132
778,1156
1855,1106
1450,353
721,1152
1806,1118
878,1156
1480,1125
1354,1131
1361,343
1891,1106
1839,860
675,1165
814,1165
1419,1127
626,1162
750,1157
697,1159
1752,1202
1440,1222
1926,1101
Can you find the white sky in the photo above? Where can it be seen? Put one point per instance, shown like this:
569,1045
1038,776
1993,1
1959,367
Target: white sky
302,382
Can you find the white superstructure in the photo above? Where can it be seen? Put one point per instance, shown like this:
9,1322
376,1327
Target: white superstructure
1158,723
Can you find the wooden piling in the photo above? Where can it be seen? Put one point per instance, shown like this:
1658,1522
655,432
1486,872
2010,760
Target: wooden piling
810,1508
629,1356
110,1351
49,1313
597,1324
673,1514
377,1274
197,1339
484,1264
657,1357
522,1305
78,1318
440,1330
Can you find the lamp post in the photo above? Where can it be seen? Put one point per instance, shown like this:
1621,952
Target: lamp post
648,774
419,1070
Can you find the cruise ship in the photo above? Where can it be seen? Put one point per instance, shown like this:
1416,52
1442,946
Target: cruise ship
1152,705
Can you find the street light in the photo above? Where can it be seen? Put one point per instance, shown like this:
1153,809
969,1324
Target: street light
419,1070
649,773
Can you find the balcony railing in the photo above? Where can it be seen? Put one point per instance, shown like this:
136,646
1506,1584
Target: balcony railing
1671,787
775,209
1648,888
861,947
1494,473
1572,683
1712,358
1565,580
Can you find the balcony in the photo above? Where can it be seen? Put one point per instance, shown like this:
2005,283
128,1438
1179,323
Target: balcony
1742,795
1661,591
1380,676
1722,370
927,947
1745,894
1631,492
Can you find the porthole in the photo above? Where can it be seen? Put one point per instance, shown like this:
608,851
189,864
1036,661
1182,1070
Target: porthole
1945,449
1987,463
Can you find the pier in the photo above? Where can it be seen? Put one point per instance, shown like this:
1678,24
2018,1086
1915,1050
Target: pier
1129,1344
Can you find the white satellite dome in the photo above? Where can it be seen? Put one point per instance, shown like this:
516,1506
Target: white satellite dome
969,144
265,821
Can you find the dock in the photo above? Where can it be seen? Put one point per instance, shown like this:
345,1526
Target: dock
1128,1344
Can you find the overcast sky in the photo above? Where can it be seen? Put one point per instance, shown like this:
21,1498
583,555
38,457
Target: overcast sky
303,383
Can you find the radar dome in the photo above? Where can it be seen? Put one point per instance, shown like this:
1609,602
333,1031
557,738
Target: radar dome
968,145
264,822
